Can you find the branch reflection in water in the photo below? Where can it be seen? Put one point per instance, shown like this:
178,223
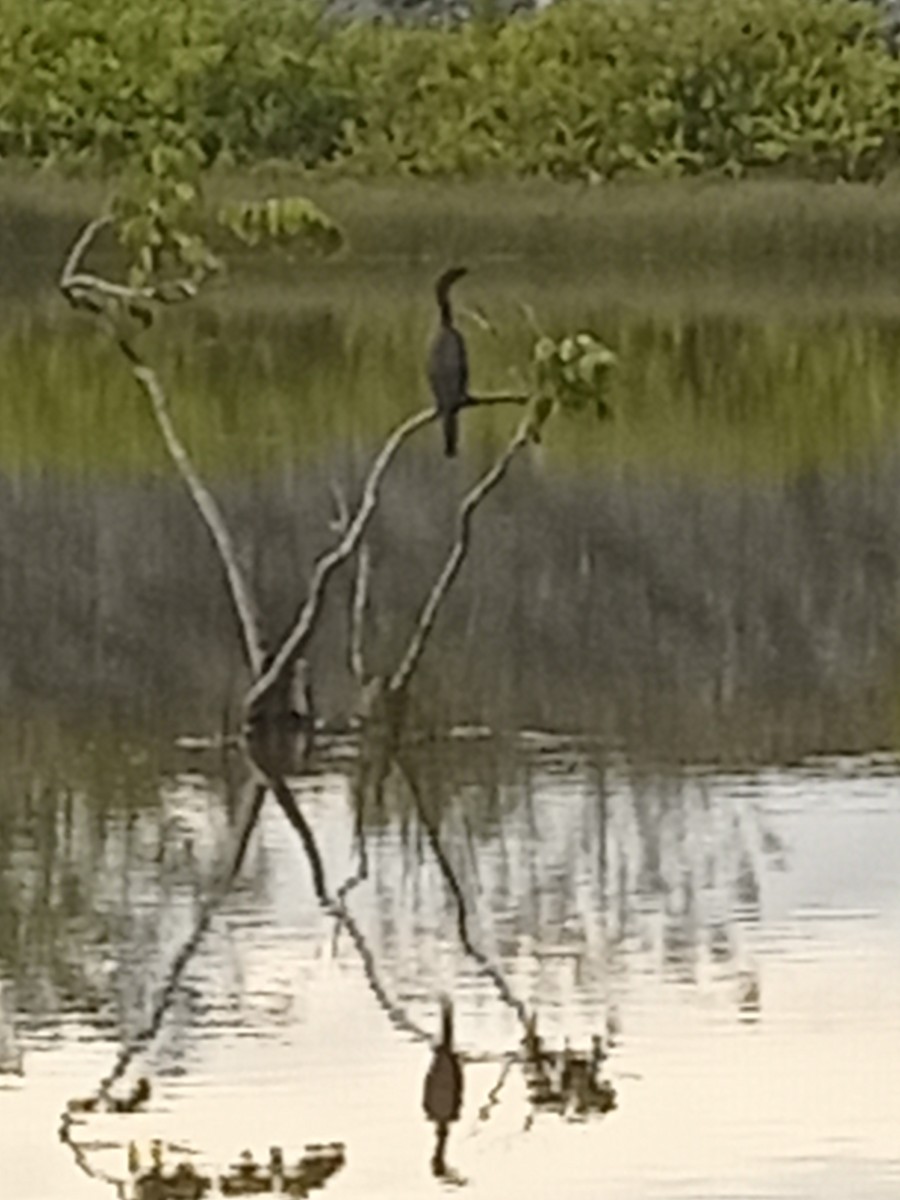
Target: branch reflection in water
558,1081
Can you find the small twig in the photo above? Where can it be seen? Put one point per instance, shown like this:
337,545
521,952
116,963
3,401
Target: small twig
473,498
304,623
341,508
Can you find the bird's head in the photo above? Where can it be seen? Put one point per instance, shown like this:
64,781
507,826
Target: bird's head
446,281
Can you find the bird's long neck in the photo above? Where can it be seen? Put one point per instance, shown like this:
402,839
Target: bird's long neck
443,299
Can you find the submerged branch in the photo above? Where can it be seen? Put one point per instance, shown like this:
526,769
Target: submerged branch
473,498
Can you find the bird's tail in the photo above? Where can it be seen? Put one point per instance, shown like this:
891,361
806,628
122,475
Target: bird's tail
451,433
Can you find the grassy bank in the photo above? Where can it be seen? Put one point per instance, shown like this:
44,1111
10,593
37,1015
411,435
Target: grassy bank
738,244
755,323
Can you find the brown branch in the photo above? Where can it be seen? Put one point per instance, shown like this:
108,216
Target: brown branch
454,561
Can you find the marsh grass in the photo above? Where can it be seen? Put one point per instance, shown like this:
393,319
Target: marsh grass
755,324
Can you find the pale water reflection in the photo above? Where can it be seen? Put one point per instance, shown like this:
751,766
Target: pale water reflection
732,936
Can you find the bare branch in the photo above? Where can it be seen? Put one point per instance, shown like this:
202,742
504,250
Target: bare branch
244,607
301,631
473,498
358,614
304,624
80,247
76,285
341,508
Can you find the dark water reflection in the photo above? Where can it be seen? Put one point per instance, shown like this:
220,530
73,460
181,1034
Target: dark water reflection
732,935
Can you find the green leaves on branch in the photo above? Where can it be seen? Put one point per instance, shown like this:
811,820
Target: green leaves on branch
279,221
158,218
167,231
571,374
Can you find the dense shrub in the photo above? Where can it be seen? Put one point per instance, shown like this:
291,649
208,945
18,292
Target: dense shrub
585,88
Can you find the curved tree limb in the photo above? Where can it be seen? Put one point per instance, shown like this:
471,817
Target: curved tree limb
78,287
304,624
473,498
241,598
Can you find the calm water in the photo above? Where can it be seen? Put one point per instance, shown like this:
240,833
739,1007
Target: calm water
733,934
710,581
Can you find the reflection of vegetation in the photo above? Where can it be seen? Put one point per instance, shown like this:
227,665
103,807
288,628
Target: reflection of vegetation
566,1081
708,397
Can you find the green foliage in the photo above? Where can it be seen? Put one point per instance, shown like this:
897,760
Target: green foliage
583,89
158,213
653,87
281,220
572,374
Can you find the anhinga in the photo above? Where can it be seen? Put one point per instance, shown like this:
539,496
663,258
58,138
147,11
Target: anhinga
442,1097
448,366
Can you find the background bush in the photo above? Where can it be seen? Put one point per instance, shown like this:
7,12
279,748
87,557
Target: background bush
585,88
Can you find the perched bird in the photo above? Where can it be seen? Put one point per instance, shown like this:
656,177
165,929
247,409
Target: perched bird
448,366
442,1097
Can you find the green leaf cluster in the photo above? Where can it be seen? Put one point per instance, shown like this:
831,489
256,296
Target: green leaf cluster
570,374
280,220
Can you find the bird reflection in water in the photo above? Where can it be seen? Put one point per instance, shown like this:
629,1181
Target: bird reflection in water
443,1093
